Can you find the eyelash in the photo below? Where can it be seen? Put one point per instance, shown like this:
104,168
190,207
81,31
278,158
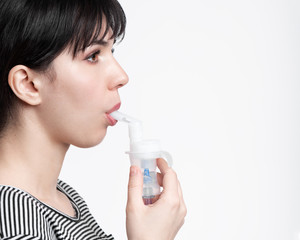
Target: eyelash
95,54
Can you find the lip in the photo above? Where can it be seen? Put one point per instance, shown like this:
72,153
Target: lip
115,108
110,119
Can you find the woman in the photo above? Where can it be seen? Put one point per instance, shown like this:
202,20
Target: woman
58,83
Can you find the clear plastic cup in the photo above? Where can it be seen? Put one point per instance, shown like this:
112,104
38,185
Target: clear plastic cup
144,154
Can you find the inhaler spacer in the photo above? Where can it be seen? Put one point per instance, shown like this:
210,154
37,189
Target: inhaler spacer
143,153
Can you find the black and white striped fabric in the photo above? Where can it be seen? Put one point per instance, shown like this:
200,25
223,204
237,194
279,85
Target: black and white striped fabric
23,216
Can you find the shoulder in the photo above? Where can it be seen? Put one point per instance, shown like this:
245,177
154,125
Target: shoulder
15,199
19,212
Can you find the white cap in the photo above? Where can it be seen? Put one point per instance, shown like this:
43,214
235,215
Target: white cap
145,146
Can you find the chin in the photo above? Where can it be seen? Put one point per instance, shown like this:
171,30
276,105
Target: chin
90,141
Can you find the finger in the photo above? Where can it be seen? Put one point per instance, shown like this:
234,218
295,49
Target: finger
135,187
162,165
169,181
159,179
180,192
183,206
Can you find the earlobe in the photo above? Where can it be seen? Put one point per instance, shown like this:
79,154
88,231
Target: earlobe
24,85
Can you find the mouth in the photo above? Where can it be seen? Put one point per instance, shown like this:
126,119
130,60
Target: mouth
110,119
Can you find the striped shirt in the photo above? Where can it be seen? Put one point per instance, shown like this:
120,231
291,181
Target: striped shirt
22,216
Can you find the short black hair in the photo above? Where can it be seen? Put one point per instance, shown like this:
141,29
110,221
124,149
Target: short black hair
34,32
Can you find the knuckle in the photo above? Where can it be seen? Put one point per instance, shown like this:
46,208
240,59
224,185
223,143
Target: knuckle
171,173
131,210
184,211
133,185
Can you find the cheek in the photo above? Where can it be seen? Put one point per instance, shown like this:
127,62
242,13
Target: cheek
78,82
73,110
83,92
83,89
83,103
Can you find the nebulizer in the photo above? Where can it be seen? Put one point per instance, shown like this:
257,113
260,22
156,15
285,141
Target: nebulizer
143,153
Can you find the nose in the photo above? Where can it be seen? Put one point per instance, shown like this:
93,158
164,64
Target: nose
119,77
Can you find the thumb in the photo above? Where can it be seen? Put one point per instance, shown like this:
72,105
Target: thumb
135,187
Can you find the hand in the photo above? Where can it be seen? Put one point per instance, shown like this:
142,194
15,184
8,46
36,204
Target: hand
161,220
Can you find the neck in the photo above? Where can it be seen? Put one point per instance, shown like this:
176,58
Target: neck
31,160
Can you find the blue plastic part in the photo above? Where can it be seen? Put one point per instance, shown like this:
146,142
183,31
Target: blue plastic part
147,177
146,172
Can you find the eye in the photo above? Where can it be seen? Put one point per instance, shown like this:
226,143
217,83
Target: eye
94,57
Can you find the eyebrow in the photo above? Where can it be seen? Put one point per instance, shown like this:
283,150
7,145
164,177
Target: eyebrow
100,42
95,42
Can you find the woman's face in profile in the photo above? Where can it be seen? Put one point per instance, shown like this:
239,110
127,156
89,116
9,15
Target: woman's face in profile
74,106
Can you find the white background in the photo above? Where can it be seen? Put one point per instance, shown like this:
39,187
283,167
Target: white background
218,83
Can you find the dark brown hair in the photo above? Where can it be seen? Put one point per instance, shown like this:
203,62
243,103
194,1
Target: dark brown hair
34,32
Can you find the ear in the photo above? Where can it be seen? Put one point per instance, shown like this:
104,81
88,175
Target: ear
25,84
